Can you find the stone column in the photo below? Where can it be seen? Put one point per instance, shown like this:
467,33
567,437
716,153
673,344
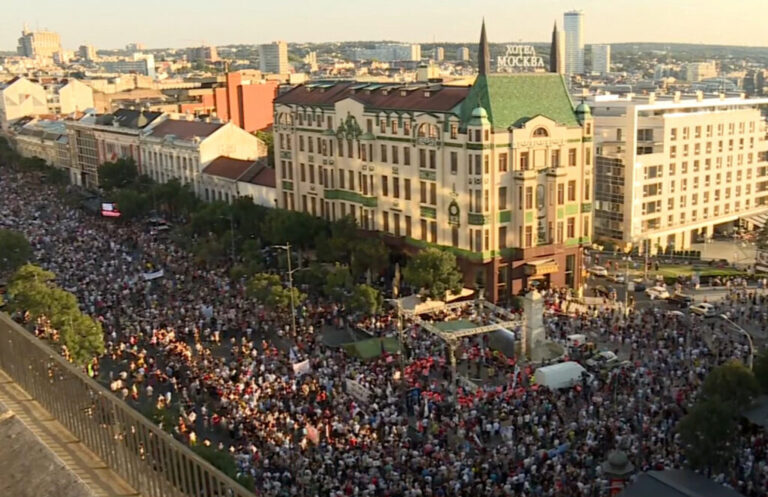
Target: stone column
533,331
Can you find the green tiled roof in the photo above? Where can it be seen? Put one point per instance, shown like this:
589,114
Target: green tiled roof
513,99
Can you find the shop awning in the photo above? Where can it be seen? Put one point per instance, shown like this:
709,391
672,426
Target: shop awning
541,267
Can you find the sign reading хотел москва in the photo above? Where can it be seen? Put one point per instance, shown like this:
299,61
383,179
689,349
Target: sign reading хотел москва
519,58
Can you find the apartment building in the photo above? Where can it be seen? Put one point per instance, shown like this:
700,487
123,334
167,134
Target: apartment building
181,149
499,172
96,139
273,58
38,43
21,97
670,169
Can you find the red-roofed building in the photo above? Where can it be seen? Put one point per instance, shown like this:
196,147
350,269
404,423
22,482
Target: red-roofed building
182,149
225,179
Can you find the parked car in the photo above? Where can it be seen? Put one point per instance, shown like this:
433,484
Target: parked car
703,309
680,299
616,277
598,271
657,292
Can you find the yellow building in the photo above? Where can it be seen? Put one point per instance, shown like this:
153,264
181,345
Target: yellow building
499,172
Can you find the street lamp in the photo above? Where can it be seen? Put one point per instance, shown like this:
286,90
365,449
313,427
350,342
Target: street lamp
287,248
746,334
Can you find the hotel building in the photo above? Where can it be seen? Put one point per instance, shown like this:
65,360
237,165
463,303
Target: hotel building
668,170
498,172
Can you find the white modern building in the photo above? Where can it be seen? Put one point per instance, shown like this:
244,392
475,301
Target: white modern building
697,71
669,170
439,54
462,54
601,59
273,58
573,25
138,63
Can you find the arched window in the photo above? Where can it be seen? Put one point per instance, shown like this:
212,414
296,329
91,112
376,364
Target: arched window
540,132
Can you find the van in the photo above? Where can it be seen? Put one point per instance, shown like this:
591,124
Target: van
562,375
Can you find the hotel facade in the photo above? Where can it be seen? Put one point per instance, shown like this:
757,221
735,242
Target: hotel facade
499,172
671,169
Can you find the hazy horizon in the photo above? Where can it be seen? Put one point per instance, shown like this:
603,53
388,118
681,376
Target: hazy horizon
229,22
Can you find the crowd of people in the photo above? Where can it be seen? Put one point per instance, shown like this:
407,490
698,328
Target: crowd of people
303,418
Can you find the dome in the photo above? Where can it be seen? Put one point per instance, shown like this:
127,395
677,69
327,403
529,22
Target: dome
479,112
584,109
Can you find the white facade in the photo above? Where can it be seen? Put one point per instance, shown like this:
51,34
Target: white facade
273,58
389,52
462,54
573,23
668,171
168,157
601,59
21,97
74,96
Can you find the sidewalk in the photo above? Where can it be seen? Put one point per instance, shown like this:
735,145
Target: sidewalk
83,463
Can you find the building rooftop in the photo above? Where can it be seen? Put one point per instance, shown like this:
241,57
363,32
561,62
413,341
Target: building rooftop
185,130
248,171
512,99
128,118
395,96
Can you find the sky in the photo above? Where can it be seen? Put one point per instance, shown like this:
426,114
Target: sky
180,23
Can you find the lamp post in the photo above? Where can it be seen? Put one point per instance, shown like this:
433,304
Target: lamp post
746,334
287,248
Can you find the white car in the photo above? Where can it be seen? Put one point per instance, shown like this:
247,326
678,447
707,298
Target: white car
598,271
703,309
657,292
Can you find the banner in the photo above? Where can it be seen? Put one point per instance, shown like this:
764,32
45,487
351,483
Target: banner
300,368
358,391
153,276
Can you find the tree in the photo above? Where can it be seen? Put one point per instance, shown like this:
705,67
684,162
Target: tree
760,369
175,198
365,300
762,237
132,204
269,290
269,140
732,385
83,337
370,256
14,250
435,272
337,283
705,433
121,173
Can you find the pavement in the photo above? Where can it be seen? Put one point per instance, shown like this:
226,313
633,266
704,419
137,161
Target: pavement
66,468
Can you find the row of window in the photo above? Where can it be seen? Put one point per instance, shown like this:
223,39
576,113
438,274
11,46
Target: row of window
708,147
657,171
683,217
697,130
654,189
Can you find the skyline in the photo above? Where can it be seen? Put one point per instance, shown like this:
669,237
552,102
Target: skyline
447,21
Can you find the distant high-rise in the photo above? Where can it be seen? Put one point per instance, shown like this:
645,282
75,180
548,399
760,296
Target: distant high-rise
135,47
601,59
439,54
573,23
696,71
87,53
274,58
38,43
203,53
462,54
557,52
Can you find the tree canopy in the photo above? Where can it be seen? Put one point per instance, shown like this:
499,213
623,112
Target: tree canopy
269,290
32,290
121,173
14,250
365,299
435,272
